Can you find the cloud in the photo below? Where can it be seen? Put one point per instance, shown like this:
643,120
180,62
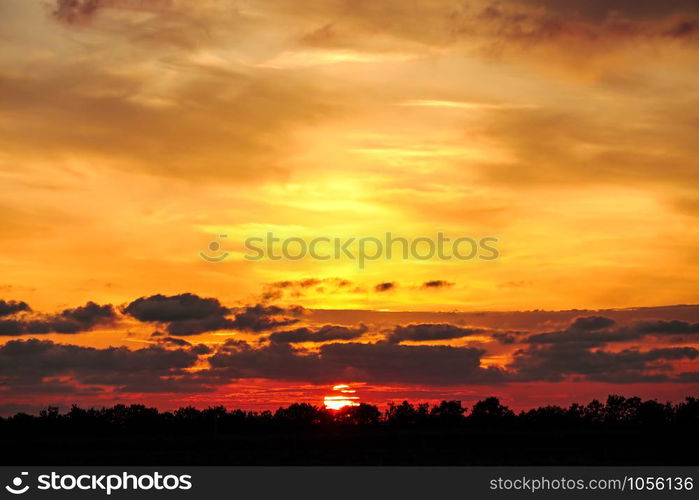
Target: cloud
586,330
161,308
384,362
590,338
427,332
592,323
504,338
663,327
547,145
196,326
171,340
437,284
556,362
184,314
90,314
298,288
12,327
683,29
259,318
575,352
82,11
75,11
691,377
595,331
550,23
598,11
386,286
323,334
199,349
498,26
376,363
180,315
10,307
211,102
305,283
79,319
29,362
189,314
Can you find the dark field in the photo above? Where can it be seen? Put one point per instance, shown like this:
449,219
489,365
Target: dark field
620,432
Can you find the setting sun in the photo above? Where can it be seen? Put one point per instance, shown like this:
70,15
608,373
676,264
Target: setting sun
343,400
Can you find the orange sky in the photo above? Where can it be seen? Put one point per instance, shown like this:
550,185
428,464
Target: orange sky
133,133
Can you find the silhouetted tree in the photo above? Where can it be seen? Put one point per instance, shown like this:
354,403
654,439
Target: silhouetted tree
688,412
302,413
594,412
402,414
448,412
363,414
51,413
490,411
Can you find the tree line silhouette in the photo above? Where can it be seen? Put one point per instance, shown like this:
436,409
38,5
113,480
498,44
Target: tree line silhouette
620,431
616,412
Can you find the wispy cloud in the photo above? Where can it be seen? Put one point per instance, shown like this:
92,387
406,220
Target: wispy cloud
473,105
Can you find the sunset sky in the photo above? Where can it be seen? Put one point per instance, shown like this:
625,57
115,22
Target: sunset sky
133,133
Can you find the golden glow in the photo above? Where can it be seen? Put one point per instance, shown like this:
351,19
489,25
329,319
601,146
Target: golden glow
300,126
426,103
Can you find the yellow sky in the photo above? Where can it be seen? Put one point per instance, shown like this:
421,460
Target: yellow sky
134,134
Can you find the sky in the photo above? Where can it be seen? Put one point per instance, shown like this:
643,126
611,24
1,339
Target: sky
134,133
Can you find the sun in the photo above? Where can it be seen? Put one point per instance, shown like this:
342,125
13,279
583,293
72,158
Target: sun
342,400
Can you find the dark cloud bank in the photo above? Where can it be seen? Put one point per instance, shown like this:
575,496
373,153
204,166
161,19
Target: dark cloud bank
591,348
